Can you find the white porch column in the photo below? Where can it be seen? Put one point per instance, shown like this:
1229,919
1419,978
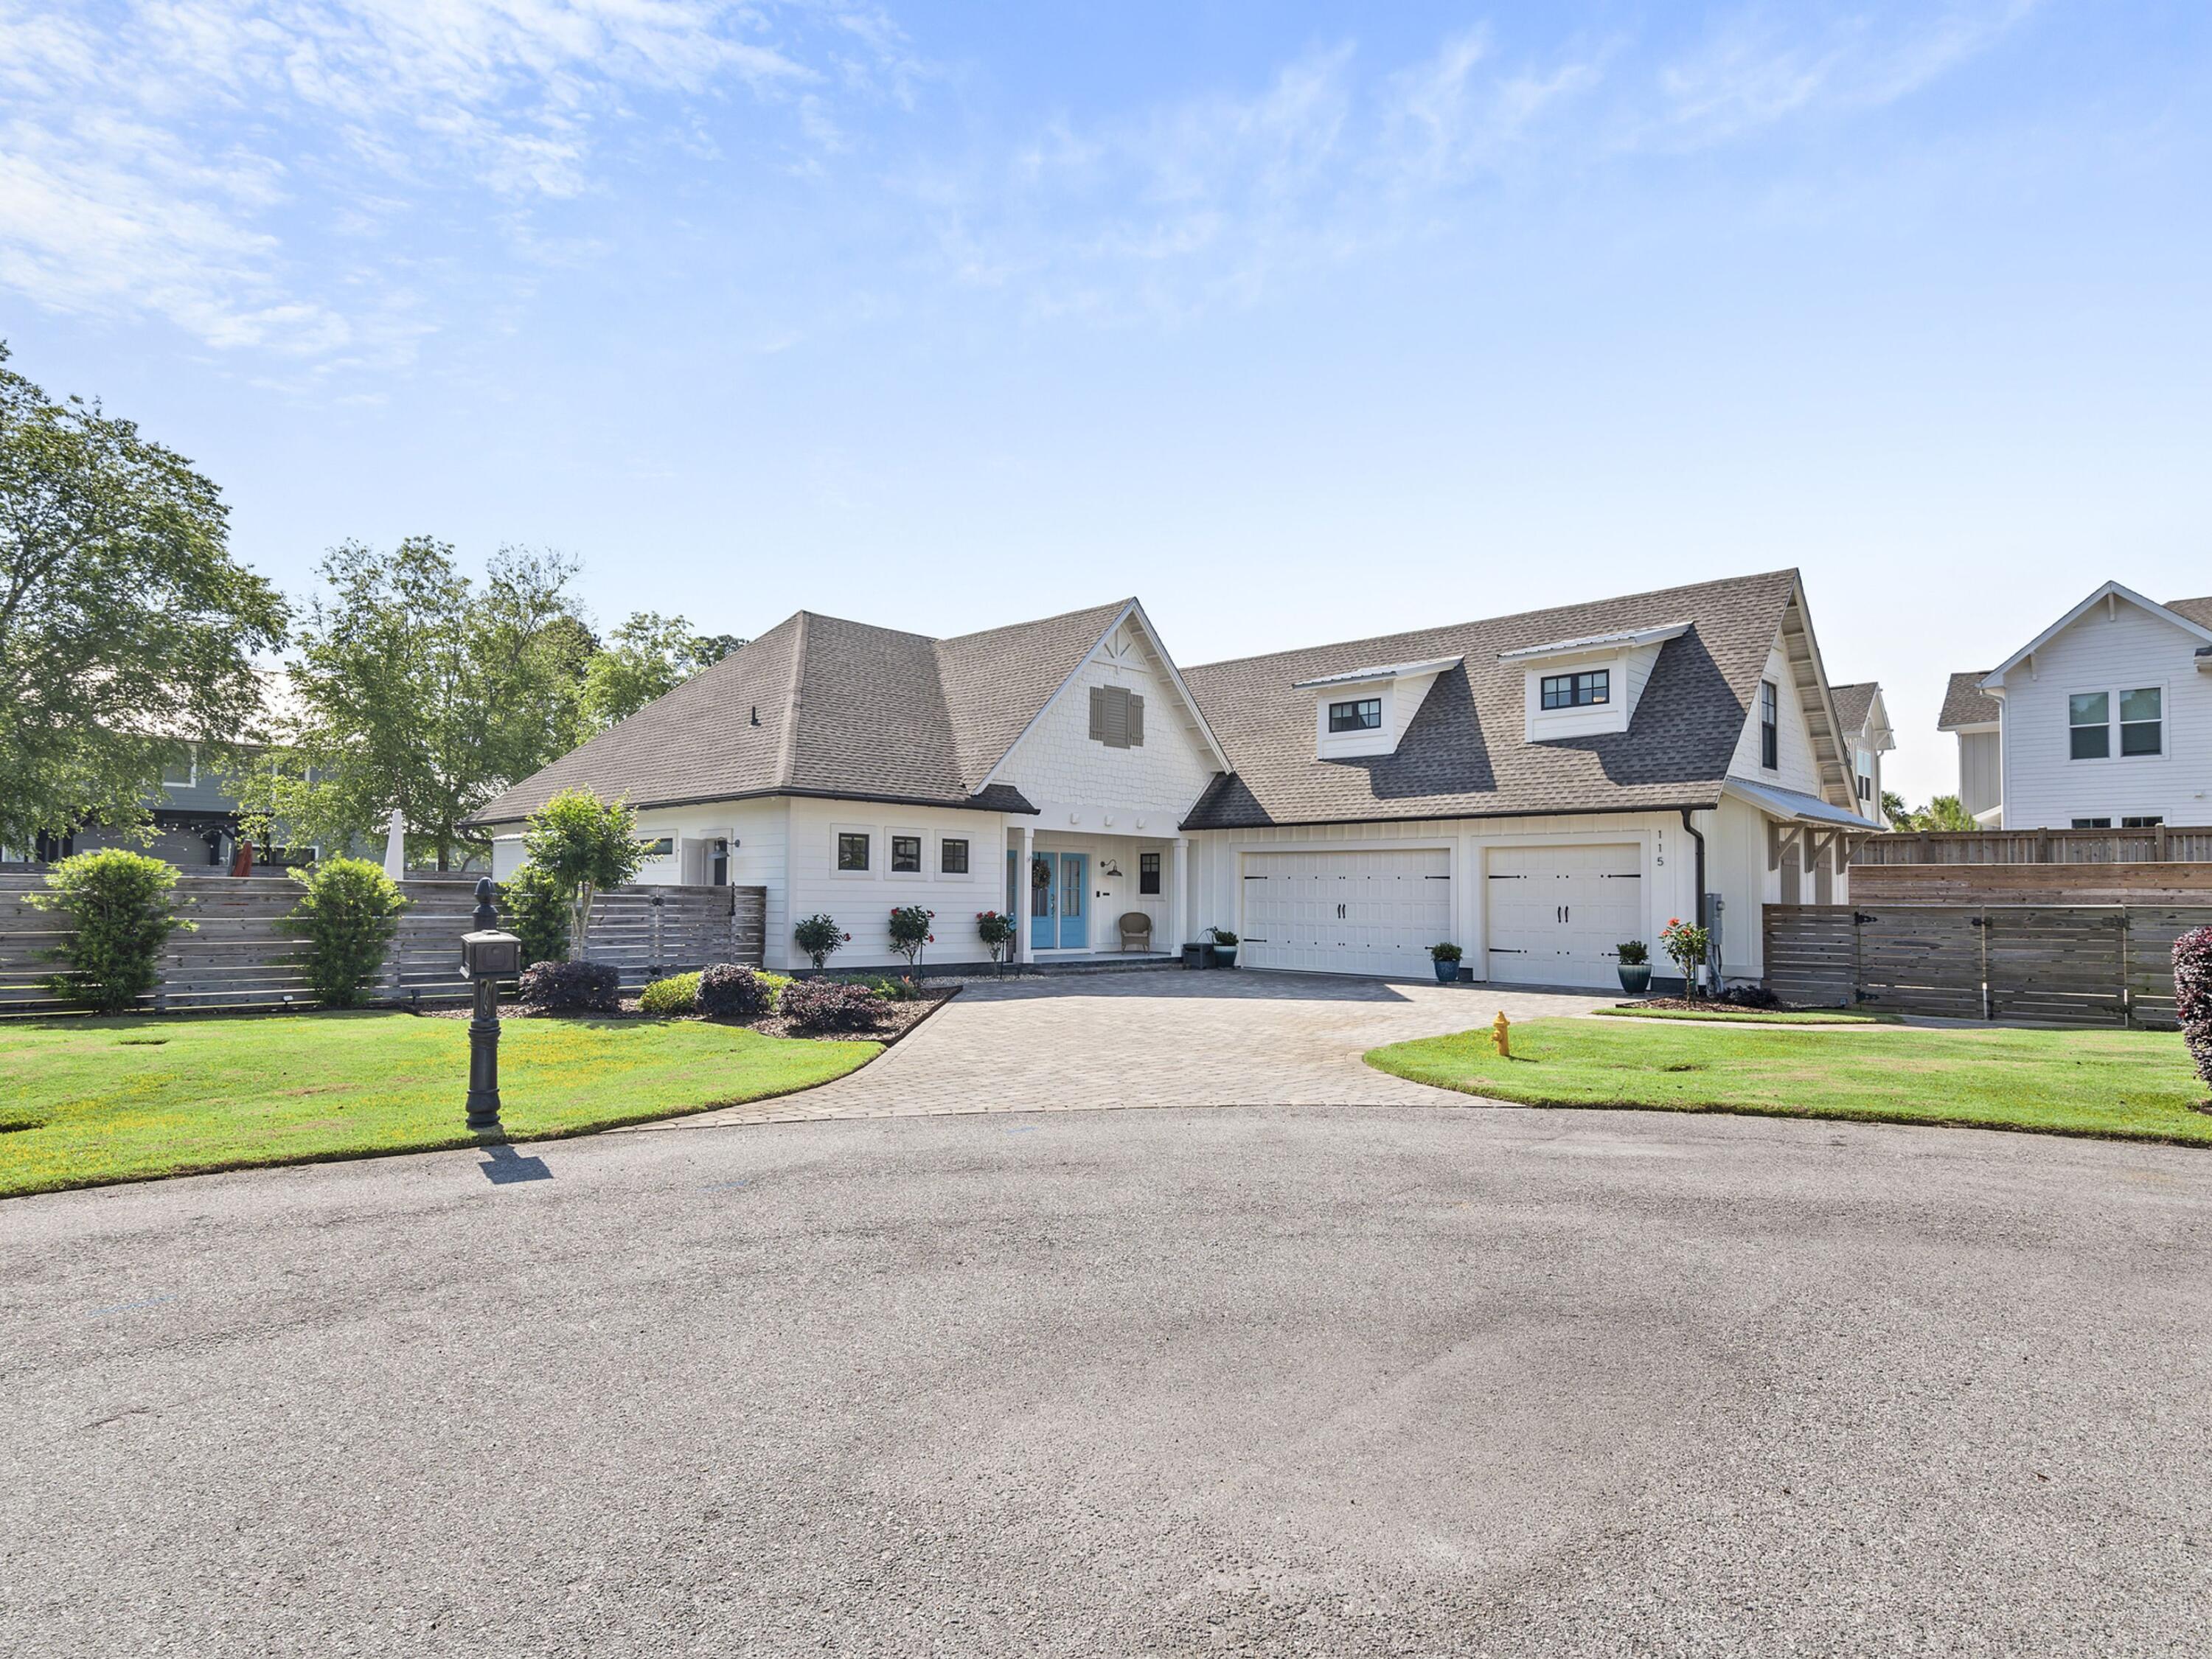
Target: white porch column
1179,895
1024,893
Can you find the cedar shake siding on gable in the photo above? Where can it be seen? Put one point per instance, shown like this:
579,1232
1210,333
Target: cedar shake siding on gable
818,705
1464,754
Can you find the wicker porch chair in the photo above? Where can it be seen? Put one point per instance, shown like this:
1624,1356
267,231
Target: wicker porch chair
1136,931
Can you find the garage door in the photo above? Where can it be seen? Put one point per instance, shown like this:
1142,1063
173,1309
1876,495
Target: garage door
1347,912
1556,913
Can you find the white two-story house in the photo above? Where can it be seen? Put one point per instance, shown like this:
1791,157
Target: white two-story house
1537,789
2102,721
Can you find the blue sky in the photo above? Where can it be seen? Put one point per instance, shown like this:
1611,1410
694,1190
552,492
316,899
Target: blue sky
1301,322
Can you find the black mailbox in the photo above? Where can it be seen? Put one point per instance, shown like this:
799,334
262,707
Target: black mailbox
491,955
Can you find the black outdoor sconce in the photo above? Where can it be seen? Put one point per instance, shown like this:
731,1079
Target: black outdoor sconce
488,957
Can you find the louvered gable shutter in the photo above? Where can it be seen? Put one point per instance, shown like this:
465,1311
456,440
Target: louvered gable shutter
1136,721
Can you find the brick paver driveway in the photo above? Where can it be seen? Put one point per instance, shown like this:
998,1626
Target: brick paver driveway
1166,1038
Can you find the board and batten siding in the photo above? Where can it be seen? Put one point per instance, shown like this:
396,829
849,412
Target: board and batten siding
1668,864
2044,788
1981,770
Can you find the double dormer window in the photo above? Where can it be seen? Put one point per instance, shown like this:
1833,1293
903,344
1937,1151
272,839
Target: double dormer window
1588,689
1361,714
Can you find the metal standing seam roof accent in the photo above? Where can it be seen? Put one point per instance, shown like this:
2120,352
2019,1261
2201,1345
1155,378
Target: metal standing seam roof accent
1465,753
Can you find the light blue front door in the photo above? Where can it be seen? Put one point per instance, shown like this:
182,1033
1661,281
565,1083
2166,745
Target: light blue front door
1059,890
1074,889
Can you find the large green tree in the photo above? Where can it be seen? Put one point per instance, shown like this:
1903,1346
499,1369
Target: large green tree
127,632
417,688
646,656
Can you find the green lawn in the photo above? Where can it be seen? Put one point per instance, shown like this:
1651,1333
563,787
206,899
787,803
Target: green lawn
92,1101
2135,1084
1753,1015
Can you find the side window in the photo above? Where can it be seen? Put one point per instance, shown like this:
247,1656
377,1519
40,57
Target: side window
1148,872
2089,728
2143,726
1770,727
952,857
906,855
852,851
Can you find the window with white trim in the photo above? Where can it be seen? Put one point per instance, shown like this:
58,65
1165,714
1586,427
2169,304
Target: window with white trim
906,855
2140,717
1770,727
1590,688
852,851
1360,715
1148,872
952,856
2143,821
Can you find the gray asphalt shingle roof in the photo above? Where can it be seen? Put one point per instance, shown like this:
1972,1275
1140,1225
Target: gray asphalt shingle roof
1852,702
820,706
1464,754
1965,702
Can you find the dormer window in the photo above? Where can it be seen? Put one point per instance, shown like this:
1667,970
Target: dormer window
1363,715
1585,690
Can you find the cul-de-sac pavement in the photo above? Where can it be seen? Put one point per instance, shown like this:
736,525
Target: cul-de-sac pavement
1286,1356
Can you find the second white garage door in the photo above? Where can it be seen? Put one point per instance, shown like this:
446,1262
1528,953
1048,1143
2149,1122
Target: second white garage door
1347,912
1556,913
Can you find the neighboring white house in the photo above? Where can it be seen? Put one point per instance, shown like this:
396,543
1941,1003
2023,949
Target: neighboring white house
1864,720
1535,788
2103,720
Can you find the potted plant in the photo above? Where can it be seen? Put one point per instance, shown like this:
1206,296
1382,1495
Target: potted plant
1635,966
1446,957
1224,946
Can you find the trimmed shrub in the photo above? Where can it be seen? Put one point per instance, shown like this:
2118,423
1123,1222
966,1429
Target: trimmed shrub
820,937
571,987
668,998
830,1005
537,912
2192,995
1746,994
348,915
121,911
777,983
727,991
891,990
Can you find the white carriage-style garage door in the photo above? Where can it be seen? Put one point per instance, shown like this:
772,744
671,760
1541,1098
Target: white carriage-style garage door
1556,913
1347,912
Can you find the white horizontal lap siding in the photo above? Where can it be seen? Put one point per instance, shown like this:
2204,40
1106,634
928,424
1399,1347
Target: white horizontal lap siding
1798,769
861,904
2044,788
1058,761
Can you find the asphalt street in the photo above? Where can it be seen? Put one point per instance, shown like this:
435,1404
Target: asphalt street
1318,1381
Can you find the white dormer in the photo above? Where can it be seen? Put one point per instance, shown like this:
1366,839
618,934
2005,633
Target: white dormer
1367,711
1581,686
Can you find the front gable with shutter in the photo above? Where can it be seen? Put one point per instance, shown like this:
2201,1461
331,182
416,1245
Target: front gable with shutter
1121,735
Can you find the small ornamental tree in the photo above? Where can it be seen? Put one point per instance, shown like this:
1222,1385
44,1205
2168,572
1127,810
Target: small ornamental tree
538,912
2192,995
121,911
584,844
820,937
910,932
348,915
1687,943
997,933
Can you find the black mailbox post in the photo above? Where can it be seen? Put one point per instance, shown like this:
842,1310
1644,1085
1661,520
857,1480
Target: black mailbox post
488,957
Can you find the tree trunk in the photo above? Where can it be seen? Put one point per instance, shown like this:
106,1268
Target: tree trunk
580,920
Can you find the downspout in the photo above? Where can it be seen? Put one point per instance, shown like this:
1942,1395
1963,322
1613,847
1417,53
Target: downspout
1697,835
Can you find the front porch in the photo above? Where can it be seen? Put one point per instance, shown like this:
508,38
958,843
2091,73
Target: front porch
1071,892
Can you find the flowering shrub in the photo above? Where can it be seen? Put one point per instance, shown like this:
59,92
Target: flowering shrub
829,1005
819,936
910,931
727,991
1687,943
2192,995
997,932
571,987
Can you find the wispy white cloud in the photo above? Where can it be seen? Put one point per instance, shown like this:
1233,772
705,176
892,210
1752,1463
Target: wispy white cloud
168,156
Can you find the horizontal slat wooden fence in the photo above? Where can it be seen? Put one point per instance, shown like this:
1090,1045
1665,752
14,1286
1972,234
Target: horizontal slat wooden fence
236,955
2032,884
2074,964
2159,844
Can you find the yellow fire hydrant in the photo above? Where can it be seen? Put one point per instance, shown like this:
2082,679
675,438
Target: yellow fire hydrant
1501,1033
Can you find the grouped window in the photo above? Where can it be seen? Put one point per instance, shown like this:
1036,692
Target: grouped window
1360,715
2090,719
906,855
952,857
1591,689
852,851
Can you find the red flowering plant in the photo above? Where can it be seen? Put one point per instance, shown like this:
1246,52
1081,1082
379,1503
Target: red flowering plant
910,932
1687,942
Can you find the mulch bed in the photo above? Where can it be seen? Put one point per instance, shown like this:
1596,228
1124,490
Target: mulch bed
1715,1005
899,1018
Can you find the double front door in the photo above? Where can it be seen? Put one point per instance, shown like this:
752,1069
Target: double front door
1060,891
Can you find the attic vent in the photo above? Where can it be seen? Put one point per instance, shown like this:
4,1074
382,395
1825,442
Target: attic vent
1117,717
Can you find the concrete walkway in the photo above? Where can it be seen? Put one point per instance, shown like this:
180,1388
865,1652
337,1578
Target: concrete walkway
1170,1038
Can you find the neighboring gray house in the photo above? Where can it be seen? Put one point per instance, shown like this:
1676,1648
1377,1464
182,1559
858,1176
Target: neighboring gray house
2103,720
1864,719
1535,788
195,827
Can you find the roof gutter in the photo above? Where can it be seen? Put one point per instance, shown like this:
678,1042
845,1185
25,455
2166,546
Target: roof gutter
781,791
1418,818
